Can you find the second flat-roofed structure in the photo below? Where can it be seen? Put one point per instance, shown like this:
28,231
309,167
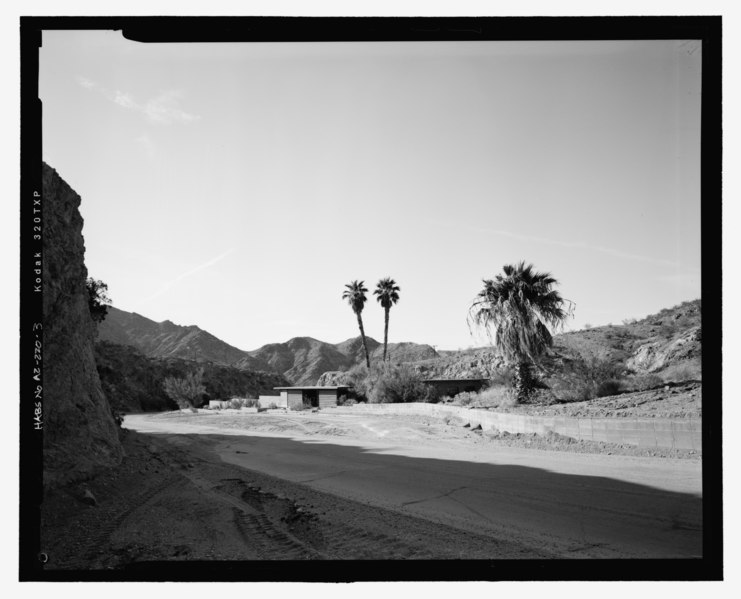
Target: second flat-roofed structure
454,386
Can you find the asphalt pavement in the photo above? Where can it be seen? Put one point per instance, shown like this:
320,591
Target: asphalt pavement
574,505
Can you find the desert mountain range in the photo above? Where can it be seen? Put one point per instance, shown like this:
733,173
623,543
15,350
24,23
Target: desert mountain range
301,360
655,344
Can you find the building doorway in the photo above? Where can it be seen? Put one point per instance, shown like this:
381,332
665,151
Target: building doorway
311,398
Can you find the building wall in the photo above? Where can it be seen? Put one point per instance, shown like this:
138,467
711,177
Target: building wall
327,399
294,400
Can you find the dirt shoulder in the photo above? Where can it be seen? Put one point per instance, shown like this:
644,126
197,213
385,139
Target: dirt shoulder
672,401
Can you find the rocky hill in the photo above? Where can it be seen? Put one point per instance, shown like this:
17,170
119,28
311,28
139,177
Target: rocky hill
300,360
80,434
132,382
667,344
167,340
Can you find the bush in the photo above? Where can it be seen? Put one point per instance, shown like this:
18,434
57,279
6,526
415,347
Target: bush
584,379
503,377
498,396
465,398
643,382
684,371
609,387
389,383
186,392
272,406
345,400
567,391
237,403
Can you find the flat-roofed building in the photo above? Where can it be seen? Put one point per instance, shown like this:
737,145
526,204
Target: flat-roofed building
454,386
311,396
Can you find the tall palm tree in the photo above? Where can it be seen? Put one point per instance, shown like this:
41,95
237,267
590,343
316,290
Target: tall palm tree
388,294
355,296
519,307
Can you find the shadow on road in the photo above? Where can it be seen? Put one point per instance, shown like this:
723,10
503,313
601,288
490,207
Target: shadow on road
575,516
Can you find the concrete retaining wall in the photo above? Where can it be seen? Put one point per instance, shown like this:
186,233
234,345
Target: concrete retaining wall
642,432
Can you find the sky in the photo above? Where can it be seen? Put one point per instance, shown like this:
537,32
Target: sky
240,187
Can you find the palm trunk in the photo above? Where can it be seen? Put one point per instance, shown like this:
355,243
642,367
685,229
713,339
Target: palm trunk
365,345
523,381
385,334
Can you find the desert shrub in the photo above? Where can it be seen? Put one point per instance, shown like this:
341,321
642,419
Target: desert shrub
684,371
503,377
609,387
237,403
359,379
496,396
584,379
187,391
465,398
643,382
397,384
98,300
570,390
346,400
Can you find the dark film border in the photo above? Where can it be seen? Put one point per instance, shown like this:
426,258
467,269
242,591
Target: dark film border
349,29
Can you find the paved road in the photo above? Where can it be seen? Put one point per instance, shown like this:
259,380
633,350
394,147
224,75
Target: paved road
569,504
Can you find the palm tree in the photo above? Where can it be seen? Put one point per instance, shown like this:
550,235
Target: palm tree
520,307
355,296
388,294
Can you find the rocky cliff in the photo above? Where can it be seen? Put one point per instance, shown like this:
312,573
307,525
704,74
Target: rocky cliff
80,434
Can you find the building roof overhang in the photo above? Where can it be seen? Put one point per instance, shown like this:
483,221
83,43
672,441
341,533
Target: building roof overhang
312,388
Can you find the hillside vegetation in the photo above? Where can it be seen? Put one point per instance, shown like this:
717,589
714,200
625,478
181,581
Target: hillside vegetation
636,355
132,382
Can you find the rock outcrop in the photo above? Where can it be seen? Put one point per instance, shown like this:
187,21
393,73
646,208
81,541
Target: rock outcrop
80,434
652,357
480,363
333,378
